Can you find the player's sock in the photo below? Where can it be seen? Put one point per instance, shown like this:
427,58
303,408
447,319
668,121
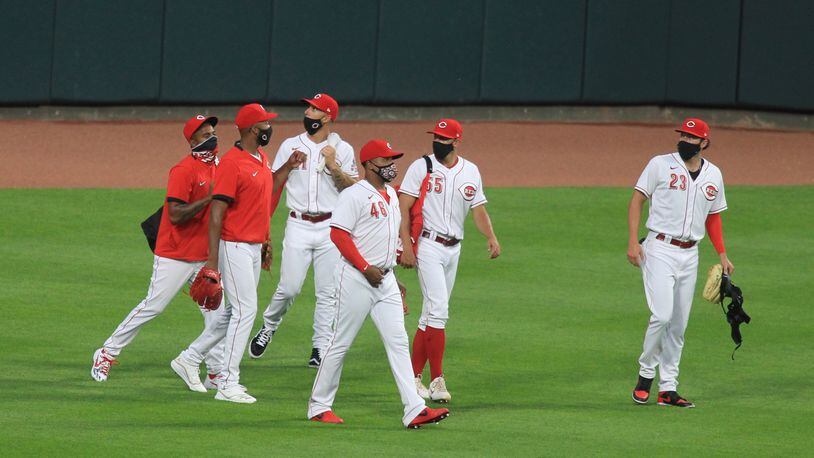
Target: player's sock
436,341
419,352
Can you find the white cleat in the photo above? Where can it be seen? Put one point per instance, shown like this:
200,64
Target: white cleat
212,381
235,393
189,374
423,391
438,390
102,360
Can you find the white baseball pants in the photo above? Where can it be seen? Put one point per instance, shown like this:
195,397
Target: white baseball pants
239,264
356,300
305,243
437,267
669,275
169,276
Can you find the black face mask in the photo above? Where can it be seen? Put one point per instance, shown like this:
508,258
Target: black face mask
687,150
264,136
442,150
312,126
387,173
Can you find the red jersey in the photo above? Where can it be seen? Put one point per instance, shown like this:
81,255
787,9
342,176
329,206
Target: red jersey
189,181
245,183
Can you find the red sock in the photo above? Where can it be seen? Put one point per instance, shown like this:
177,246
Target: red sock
436,341
419,352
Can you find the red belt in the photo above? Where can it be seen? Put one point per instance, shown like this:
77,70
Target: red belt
442,240
677,243
318,218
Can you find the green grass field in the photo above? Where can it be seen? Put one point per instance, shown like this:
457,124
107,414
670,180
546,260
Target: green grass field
541,356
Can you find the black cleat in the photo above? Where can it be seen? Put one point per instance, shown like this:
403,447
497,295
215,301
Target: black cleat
671,398
260,342
642,391
316,358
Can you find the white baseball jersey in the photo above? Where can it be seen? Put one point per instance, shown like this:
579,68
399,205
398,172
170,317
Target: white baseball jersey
308,190
451,193
372,222
679,205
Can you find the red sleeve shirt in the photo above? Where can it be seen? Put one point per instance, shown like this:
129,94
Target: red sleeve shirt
245,183
189,181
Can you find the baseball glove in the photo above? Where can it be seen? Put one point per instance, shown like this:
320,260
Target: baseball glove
712,290
206,289
266,255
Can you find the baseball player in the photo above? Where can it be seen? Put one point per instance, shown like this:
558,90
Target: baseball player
452,188
311,193
180,251
686,195
238,227
364,227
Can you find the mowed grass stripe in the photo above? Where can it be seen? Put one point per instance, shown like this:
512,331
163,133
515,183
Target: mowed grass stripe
541,356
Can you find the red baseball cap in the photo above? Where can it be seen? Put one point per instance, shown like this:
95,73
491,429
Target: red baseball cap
251,114
694,127
448,128
377,148
324,103
196,122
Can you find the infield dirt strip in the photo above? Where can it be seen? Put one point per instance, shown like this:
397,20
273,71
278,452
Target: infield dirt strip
67,154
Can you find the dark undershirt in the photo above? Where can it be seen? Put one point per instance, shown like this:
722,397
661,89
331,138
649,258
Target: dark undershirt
695,174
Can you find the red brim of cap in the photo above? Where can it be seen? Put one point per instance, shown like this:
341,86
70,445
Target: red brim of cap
440,133
688,132
212,120
393,154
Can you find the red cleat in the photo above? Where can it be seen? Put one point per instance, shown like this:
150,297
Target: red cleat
328,417
428,416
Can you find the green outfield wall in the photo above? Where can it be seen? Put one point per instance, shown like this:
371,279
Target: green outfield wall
717,53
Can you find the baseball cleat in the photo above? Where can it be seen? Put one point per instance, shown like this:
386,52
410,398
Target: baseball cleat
316,358
235,393
102,360
189,374
438,390
212,381
422,390
428,416
642,391
671,398
260,341
328,417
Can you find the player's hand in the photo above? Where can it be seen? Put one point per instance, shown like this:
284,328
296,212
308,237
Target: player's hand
329,152
296,159
210,264
403,291
635,254
494,248
374,276
729,269
407,258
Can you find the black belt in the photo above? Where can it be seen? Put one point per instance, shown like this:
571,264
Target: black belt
675,242
442,240
315,218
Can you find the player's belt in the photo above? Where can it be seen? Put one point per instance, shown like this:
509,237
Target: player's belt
675,242
312,218
451,241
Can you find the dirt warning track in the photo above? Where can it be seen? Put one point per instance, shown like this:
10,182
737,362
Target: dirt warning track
60,154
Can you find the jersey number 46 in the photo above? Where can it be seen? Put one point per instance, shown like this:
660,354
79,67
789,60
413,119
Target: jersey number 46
378,210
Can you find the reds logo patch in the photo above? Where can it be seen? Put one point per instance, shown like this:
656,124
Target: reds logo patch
468,191
710,191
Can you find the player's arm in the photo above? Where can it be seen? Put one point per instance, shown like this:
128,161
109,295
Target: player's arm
344,243
180,212
715,230
484,225
634,215
341,179
407,259
216,212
